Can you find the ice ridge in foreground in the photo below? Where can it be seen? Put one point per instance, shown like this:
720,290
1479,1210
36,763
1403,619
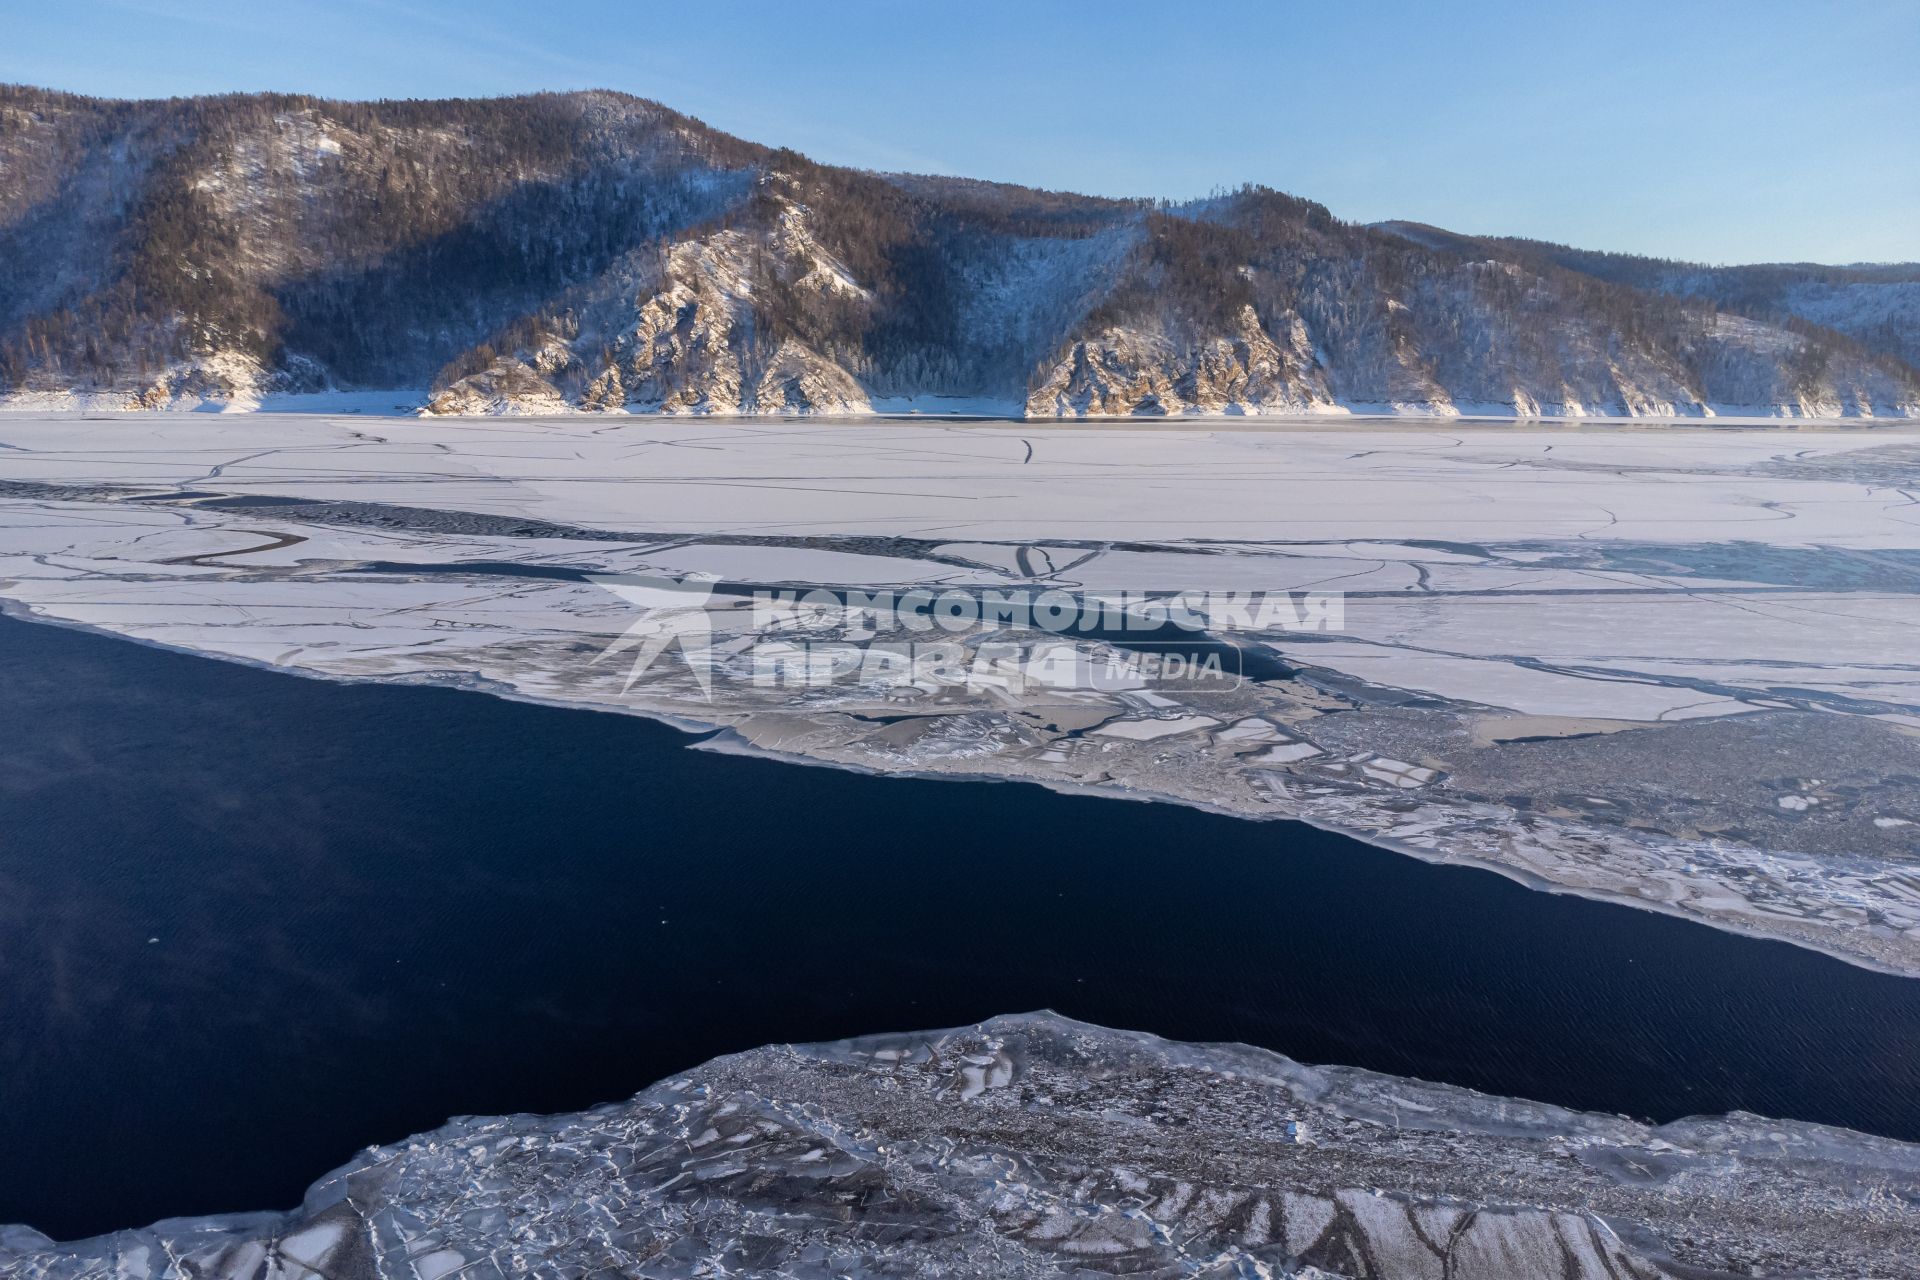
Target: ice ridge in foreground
1038,1146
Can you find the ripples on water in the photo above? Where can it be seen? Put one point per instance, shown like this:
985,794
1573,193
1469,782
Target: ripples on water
251,922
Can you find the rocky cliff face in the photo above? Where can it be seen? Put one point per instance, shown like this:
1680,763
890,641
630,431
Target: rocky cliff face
1037,1146
683,335
593,252
1246,366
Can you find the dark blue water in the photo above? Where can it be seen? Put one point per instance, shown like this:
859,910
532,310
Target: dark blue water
377,906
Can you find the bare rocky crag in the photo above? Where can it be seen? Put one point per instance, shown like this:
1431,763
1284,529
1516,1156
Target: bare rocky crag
592,251
1039,1146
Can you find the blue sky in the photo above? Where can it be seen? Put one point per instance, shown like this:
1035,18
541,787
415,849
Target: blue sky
1723,132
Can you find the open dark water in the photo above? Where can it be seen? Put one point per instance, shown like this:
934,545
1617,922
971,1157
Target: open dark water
378,906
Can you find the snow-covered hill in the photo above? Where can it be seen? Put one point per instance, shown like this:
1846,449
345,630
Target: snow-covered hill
595,252
1876,305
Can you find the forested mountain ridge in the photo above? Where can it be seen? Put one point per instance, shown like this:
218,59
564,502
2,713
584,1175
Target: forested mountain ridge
593,251
1876,304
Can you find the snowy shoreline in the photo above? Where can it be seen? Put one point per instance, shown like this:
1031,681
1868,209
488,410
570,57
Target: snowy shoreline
405,402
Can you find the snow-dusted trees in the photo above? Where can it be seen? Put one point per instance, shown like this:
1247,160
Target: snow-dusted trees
390,243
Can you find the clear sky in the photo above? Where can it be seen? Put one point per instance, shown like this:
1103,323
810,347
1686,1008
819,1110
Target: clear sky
1737,131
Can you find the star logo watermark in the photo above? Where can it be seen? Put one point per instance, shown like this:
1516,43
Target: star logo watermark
673,612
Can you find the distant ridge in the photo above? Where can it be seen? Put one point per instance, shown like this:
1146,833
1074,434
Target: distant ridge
599,252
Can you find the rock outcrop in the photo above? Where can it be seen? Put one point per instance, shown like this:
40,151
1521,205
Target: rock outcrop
682,336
